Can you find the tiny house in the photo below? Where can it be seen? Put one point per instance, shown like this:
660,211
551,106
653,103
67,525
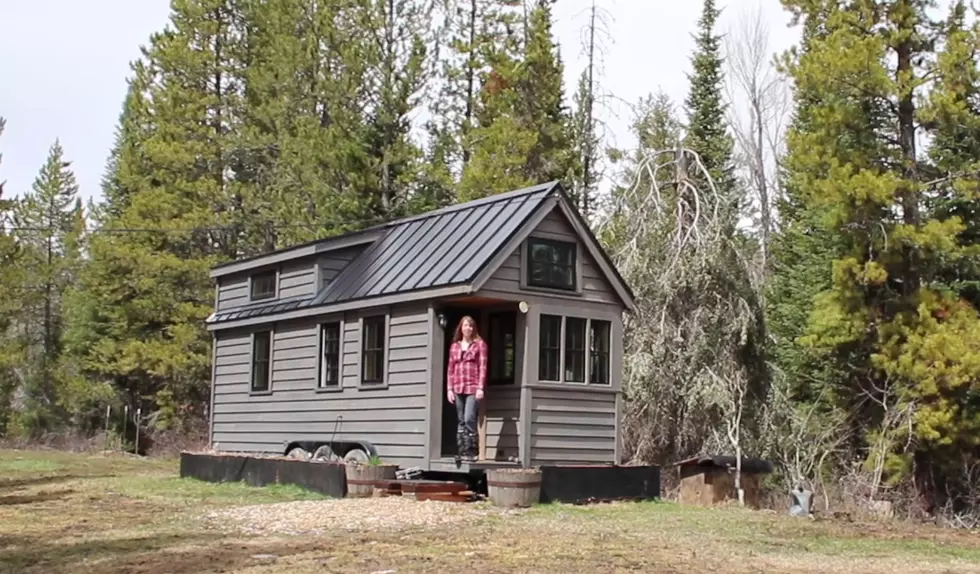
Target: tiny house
339,347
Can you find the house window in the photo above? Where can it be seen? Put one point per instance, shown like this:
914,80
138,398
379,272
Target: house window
330,355
549,361
551,264
261,361
263,286
574,350
373,350
599,352
503,336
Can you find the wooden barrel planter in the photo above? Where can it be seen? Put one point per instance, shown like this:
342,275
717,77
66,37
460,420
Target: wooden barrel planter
514,487
361,478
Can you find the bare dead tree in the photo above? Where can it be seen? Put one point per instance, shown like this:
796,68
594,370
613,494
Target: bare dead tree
696,312
761,104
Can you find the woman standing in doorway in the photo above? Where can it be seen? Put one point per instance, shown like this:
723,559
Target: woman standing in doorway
467,377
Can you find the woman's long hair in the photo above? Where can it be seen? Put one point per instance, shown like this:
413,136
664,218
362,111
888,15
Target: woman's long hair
458,335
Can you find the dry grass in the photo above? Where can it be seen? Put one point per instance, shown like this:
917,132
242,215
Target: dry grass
76,513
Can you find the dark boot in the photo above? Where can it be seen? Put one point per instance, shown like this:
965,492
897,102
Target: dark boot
460,446
472,447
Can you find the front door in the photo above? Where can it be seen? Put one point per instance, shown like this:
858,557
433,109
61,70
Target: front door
453,316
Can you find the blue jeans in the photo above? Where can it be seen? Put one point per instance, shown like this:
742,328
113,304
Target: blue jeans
466,413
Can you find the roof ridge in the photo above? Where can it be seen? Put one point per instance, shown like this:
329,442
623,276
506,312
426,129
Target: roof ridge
547,186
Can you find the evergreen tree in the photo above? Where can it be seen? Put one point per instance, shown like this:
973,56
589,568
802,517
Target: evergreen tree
908,338
47,222
398,56
706,131
10,278
139,326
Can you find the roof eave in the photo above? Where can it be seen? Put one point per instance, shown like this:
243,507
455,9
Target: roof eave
293,253
350,305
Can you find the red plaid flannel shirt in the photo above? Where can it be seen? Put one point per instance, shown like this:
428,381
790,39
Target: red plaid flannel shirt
467,369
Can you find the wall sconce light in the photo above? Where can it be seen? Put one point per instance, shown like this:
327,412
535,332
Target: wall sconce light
442,320
523,306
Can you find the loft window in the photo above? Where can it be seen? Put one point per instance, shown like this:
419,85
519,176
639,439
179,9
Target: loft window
574,350
261,361
263,285
503,336
373,350
330,355
551,264
549,368
599,352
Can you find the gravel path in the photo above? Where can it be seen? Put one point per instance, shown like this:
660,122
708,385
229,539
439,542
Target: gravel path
349,514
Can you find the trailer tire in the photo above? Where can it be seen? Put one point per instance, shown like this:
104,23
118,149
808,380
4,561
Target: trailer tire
298,453
325,453
356,455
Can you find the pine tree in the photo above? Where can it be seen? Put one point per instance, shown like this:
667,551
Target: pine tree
399,58
523,134
706,130
541,97
10,278
908,338
47,225
139,326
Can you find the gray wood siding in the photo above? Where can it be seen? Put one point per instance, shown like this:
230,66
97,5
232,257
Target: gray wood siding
595,287
297,278
332,263
572,425
503,412
232,292
392,418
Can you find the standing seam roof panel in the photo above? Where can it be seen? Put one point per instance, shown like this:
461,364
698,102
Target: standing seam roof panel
345,286
489,219
463,224
435,242
409,257
429,241
490,249
508,212
399,256
391,253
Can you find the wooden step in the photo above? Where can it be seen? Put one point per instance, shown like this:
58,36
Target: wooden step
420,486
461,496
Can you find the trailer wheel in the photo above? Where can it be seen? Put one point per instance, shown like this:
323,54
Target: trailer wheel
356,456
299,453
325,454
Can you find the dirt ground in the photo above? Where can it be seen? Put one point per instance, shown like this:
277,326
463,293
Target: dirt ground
62,513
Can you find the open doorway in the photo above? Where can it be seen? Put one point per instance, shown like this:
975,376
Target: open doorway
453,316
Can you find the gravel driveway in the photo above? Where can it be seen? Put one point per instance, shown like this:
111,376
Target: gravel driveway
350,515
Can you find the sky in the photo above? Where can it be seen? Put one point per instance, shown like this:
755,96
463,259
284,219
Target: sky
72,90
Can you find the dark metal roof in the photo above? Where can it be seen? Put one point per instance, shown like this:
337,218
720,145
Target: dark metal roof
256,310
445,247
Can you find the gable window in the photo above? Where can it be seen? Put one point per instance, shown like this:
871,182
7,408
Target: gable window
550,348
263,285
574,350
261,361
503,336
599,352
551,263
329,355
373,350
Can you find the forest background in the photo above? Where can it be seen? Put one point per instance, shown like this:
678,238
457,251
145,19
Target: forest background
800,230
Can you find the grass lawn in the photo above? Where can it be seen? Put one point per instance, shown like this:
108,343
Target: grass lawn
62,513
